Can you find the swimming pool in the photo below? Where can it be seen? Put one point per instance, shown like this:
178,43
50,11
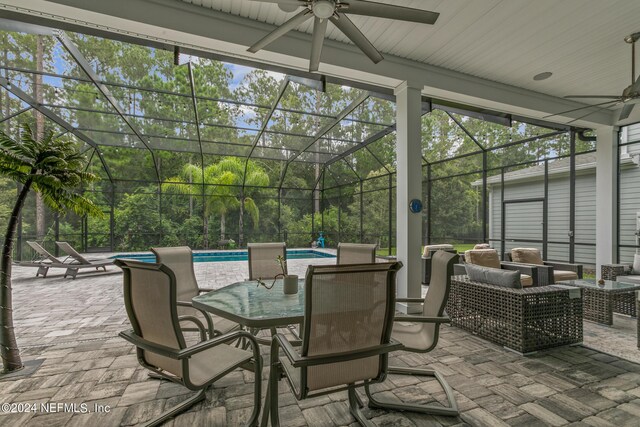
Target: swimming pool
220,256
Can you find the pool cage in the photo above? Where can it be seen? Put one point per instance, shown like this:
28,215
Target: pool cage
200,151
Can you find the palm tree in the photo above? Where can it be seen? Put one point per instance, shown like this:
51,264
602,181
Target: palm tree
52,167
219,180
235,168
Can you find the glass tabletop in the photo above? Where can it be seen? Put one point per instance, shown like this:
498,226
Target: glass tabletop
254,306
608,285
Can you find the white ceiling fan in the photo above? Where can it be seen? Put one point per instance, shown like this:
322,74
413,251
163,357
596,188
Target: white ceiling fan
336,11
630,95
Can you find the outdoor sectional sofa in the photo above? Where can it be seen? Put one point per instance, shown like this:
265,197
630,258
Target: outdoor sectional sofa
524,320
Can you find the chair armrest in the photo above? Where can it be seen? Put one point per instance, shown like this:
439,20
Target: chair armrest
577,268
612,271
198,323
541,275
218,340
416,300
298,361
140,342
528,269
459,269
422,319
207,318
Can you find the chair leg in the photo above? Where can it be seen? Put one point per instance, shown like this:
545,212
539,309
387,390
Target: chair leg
452,410
354,408
199,396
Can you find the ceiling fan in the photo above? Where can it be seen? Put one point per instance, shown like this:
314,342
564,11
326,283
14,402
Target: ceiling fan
630,95
336,11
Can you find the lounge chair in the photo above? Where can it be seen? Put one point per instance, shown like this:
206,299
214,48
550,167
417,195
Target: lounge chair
44,263
346,338
150,299
356,253
77,261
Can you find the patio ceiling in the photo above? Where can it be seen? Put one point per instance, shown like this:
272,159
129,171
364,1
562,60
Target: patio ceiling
480,53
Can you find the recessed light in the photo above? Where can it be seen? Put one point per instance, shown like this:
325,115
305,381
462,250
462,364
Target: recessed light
542,76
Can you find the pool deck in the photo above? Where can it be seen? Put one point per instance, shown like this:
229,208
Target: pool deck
73,326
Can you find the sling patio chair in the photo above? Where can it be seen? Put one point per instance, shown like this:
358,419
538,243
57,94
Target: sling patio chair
180,260
346,338
263,264
356,253
150,296
419,334
263,259
43,262
78,261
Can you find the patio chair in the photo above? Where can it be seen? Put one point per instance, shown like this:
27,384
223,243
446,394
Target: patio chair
45,261
427,253
529,275
419,334
629,273
78,261
346,337
555,271
150,296
262,259
180,260
356,253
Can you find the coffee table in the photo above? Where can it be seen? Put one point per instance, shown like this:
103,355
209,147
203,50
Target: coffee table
601,301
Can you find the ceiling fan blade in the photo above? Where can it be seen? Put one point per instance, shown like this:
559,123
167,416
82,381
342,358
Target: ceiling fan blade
291,2
350,30
281,30
381,10
581,108
319,31
593,96
592,112
626,111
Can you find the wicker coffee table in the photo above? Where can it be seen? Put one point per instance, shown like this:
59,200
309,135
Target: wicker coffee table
601,301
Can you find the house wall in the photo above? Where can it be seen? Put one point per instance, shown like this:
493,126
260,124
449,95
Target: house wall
524,220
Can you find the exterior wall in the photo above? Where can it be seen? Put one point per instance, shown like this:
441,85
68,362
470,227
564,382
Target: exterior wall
524,220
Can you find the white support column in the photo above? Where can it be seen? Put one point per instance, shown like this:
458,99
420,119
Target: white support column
409,187
606,191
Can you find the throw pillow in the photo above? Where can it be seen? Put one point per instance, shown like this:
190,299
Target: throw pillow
494,276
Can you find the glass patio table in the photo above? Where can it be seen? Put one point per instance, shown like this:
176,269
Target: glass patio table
601,301
254,306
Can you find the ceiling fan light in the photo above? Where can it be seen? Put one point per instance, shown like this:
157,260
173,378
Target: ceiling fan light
323,9
287,7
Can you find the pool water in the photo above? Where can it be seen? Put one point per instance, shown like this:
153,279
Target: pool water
220,256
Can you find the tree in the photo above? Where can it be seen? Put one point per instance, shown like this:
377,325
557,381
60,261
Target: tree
53,167
216,183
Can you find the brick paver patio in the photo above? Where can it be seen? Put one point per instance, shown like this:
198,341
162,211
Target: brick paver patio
73,326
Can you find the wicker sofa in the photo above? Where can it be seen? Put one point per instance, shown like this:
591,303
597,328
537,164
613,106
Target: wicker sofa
524,320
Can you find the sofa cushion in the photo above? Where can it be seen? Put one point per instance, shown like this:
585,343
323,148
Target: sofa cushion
526,280
526,256
494,276
482,246
636,264
483,257
432,248
560,275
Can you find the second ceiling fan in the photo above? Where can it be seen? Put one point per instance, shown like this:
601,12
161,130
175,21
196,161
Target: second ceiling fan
323,11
